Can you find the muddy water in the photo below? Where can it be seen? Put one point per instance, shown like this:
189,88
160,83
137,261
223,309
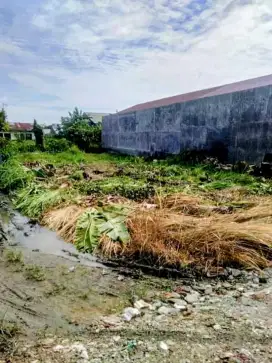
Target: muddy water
23,233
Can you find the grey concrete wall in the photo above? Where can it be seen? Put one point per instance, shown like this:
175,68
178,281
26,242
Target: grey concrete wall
240,121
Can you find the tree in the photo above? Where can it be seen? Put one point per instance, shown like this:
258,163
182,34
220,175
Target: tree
38,132
4,126
76,117
80,129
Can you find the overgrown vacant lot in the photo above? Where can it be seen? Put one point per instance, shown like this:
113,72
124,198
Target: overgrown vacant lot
157,213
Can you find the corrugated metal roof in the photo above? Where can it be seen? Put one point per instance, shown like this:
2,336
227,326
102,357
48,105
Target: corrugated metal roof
215,91
20,126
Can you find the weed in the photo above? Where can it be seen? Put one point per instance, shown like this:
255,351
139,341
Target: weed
8,331
34,272
34,200
13,256
13,175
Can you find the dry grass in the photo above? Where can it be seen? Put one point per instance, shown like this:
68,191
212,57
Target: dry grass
63,221
205,243
179,234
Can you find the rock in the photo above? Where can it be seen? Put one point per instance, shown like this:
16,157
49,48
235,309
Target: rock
116,338
58,348
26,234
120,278
156,305
130,313
164,347
165,310
256,280
177,301
172,295
202,299
217,327
208,290
112,320
235,272
72,269
141,304
81,350
48,341
192,298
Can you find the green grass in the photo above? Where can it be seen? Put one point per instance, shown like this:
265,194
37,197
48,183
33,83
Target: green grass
34,272
35,199
13,175
13,256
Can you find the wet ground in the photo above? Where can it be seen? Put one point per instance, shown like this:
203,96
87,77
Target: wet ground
68,307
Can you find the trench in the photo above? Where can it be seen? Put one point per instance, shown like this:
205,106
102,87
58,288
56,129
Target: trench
18,230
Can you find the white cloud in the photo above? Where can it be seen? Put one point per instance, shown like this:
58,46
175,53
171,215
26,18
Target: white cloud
178,51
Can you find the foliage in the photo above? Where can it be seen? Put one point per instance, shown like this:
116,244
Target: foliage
39,137
75,117
13,256
35,199
13,175
34,272
79,128
4,126
56,145
94,223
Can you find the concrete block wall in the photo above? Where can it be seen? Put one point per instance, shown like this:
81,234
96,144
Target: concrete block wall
240,121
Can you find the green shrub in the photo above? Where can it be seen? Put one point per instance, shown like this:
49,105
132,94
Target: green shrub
55,145
13,175
34,200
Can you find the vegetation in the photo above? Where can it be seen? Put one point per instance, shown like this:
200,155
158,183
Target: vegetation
160,213
4,126
34,272
80,129
38,132
13,256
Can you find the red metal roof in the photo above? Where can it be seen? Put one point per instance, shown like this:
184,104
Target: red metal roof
215,91
20,126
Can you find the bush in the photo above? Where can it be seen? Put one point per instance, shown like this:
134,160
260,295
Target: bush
55,145
13,175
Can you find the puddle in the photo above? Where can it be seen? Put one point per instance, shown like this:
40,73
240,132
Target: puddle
35,237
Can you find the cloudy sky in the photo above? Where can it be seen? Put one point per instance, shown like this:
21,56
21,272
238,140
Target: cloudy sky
104,55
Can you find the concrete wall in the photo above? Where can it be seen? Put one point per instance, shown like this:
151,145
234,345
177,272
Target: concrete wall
240,121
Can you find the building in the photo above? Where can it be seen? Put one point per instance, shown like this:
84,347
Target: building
18,131
234,119
96,117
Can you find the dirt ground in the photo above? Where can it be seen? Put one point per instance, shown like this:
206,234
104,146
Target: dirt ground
56,309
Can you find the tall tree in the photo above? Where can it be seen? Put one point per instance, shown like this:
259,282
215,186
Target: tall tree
4,126
38,132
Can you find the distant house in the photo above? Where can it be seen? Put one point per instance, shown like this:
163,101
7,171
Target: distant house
18,131
50,130
96,117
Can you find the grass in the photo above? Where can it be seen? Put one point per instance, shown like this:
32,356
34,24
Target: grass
13,256
8,331
34,272
185,229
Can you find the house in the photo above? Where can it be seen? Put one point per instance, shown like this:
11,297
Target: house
96,117
234,120
18,131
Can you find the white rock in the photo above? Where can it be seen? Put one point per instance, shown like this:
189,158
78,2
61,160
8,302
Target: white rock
120,278
58,348
182,306
208,290
156,305
116,338
192,298
72,269
130,313
163,346
81,350
165,310
141,304
217,327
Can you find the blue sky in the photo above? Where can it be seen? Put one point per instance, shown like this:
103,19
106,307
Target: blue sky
106,55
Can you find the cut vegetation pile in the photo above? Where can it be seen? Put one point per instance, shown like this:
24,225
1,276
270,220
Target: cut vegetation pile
157,214
166,237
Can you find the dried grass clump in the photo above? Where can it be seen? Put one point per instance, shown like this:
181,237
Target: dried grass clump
261,211
63,221
205,243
